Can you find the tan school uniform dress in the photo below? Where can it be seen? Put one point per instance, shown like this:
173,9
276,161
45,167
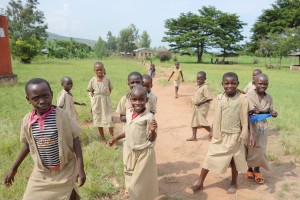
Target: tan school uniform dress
177,77
230,130
200,112
100,101
256,156
52,184
140,163
249,87
65,101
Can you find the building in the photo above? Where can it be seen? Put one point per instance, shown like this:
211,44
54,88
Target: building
143,53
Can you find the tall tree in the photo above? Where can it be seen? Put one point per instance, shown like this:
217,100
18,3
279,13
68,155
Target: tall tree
100,48
208,29
111,42
145,40
283,14
127,40
27,30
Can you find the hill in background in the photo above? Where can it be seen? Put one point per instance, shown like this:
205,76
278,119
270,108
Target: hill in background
53,36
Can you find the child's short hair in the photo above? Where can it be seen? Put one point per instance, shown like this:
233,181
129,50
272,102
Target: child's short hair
65,78
36,81
135,74
257,70
231,74
258,76
139,88
147,77
202,73
99,63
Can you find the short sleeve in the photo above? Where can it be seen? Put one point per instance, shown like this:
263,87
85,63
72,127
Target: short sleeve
110,85
90,86
121,109
23,138
75,128
61,100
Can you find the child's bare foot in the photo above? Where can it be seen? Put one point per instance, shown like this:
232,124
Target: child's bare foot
196,187
232,189
192,139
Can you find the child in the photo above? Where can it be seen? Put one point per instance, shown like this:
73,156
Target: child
178,77
152,98
200,103
259,102
229,131
65,98
152,70
99,89
139,162
52,139
251,85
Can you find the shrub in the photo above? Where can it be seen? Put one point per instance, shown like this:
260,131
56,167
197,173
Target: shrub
164,55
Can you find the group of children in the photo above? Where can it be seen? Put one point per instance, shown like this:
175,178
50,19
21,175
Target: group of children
236,140
51,135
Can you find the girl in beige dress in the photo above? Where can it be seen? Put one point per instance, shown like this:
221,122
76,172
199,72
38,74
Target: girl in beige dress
229,132
177,77
99,89
200,105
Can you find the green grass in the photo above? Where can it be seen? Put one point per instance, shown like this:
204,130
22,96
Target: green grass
104,165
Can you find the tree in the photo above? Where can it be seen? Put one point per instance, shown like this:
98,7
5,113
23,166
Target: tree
208,29
283,14
145,40
100,48
111,42
27,30
128,38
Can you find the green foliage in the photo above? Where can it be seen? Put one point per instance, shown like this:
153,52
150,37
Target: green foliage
283,14
163,55
128,38
27,31
111,42
211,28
100,48
145,40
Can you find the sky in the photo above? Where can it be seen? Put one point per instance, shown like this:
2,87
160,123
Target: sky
90,19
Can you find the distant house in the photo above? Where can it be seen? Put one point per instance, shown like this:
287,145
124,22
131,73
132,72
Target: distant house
126,55
143,52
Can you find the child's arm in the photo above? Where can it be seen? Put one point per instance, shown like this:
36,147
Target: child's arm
9,179
79,160
274,113
182,76
122,118
198,103
241,91
81,104
113,140
152,131
170,76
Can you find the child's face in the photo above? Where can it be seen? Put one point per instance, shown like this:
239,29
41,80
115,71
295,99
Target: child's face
230,85
200,79
67,85
261,84
177,65
99,70
138,101
147,84
40,96
254,74
134,81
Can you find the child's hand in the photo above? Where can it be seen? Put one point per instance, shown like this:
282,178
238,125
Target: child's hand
153,125
111,142
255,110
80,177
274,113
10,178
251,141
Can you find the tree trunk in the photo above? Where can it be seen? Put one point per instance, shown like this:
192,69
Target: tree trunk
200,49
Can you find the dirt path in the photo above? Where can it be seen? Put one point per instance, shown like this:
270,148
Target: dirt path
179,162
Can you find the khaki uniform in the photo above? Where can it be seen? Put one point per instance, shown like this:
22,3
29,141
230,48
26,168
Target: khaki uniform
139,162
52,184
152,102
65,101
230,130
200,112
256,156
249,87
100,101
177,77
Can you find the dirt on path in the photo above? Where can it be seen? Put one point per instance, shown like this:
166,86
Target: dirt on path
179,162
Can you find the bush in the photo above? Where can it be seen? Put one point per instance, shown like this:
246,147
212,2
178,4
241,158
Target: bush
164,55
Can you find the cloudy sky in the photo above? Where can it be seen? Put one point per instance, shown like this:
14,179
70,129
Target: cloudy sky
90,19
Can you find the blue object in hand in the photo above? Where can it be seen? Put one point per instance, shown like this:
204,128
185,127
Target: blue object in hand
259,117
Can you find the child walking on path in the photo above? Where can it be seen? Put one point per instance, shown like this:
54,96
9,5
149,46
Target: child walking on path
152,98
52,138
259,103
99,89
178,77
65,98
229,132
152,70
139,159
200,105
251,85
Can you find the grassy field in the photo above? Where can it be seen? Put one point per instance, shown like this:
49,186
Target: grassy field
103,165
